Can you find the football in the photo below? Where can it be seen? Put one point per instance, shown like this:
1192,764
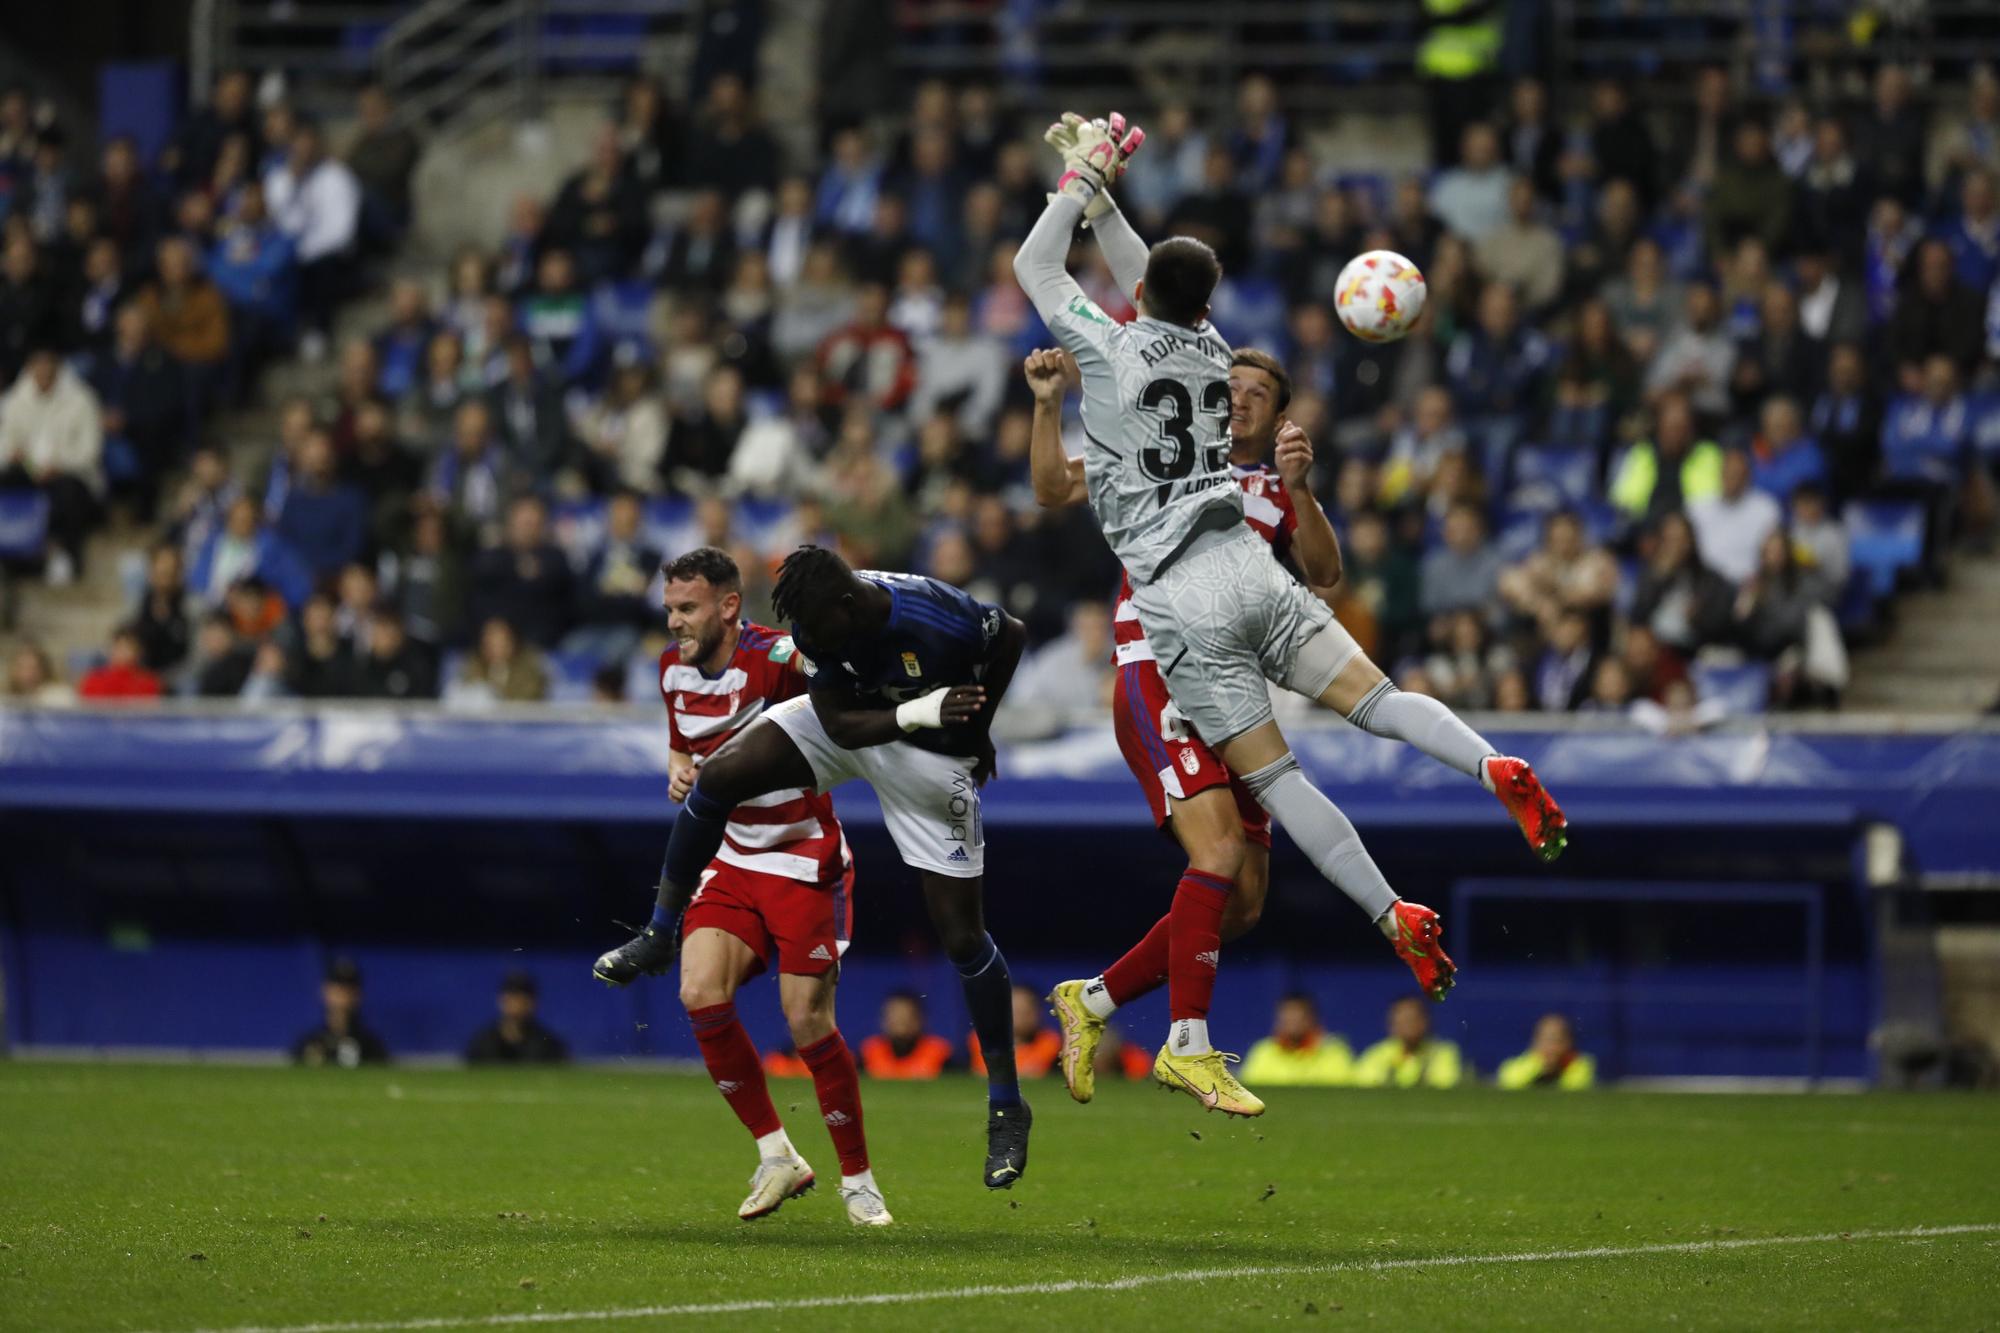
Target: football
1379,296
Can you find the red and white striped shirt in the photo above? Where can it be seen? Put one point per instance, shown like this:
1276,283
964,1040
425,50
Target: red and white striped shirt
792,833
1267,507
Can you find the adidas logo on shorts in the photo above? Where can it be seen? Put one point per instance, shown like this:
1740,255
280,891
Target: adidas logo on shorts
958,854
820,952
837,1118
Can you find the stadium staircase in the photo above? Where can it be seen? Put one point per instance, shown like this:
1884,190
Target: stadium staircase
1940,656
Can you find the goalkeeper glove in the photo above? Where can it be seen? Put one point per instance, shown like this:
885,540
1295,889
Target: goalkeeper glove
1095,154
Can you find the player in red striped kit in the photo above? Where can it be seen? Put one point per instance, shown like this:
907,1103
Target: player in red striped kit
781,885
1185,783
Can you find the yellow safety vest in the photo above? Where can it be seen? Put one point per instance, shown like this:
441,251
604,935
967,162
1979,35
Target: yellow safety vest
1458,51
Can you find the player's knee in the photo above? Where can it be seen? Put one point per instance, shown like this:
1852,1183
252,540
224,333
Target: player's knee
1221,852
1245,910
809,1019
699,992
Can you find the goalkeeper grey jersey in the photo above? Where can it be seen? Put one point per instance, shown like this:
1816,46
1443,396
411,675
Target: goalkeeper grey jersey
1155,411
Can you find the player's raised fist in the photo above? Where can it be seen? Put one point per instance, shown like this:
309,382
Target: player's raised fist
1294,457
1049,371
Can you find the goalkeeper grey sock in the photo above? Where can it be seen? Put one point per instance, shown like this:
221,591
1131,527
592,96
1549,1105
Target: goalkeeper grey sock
1423,722
1322,833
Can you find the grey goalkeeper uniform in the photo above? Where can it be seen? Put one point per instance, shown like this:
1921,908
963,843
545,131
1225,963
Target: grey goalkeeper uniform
1222,615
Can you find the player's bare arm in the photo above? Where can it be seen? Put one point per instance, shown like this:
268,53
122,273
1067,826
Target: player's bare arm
1058,479
855,723
1004,659
1314,544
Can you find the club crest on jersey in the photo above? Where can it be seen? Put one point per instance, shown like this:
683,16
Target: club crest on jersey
910,667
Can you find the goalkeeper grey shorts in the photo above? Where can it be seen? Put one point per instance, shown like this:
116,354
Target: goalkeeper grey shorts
1225,618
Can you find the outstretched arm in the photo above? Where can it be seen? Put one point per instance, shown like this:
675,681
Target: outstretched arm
1058,478
1122,248
1040,265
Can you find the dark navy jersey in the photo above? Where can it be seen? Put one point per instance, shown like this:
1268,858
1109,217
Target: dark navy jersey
935,636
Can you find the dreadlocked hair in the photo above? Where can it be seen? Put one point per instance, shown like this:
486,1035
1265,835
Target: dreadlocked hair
807,575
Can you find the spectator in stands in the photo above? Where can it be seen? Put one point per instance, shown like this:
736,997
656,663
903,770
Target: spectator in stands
341,1038
1832,310
123,675
316,200
1731,525
1784,459
431,404
244,548
1551,1060
204,135
1681,600
253,264
142,397
401,347
701,444
32,678
381,469
1464,573
870,359
52,439
501,670
1471,197
1384,579
1645,303
201,506
1779,358
902,1048
466,477
624,433
1697,357
1071,673
1611,689
1409,1056
1819,541
1752,194
1773,612
1566,574
164,620
129,211
1037,1046
382,156
1419,446
1596,383
612,608
1299,1052
322,666
777,455
599,215
1524,252
1650,668
731,152
526,581
99,294
1889,140
1935,316
270,674
1495,368
323,519
191,320
1563,675
518,1036
1846,419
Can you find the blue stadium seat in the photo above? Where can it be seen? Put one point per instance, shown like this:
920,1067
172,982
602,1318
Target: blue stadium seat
1744,688
569,677
1884,537
24,524
1518,534
1984,408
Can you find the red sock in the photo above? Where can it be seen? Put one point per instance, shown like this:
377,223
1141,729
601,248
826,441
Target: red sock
1194,946
732,1062
1142,970
839,1089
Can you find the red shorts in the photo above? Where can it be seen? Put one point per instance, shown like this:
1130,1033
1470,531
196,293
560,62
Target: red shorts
1166,756
807,925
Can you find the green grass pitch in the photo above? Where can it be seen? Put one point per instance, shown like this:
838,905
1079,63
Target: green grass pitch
181,1198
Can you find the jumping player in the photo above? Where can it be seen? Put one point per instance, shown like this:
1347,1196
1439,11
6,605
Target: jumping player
781,884
905,675
1222,616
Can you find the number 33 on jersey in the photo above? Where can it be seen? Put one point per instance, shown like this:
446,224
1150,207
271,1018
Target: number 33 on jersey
1157,461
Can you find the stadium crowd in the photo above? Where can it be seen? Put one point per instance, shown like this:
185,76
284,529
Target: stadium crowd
1672,369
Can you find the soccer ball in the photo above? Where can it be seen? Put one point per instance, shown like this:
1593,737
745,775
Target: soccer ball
1379,296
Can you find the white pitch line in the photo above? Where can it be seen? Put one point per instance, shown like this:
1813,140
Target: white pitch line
1091,1284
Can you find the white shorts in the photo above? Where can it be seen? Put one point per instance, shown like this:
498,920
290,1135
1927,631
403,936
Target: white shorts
929,801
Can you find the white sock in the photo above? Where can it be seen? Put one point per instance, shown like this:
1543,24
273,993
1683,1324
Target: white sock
1386,923
866,1180
776,1144
1189,1036
1097,999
